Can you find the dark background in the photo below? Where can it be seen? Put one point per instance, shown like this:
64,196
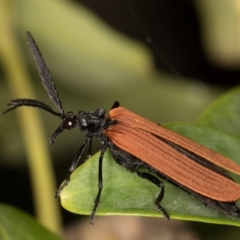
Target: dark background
175,31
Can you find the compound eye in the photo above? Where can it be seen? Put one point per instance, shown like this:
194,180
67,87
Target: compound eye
69,123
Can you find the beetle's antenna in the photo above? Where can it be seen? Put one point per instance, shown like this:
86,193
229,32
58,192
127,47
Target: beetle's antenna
44,73
30,103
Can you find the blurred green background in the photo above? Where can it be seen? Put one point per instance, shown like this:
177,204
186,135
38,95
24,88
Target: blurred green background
96,55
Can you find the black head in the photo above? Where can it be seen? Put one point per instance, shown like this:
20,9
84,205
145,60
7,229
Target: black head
69,122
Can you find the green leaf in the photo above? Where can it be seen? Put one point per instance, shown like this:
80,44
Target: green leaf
224,113
17,225
124,193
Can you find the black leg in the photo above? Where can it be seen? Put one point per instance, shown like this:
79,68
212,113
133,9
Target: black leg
100,186
89,153
73,166
159,198
116,104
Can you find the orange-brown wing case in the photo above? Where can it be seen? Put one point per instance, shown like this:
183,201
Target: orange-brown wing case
135,135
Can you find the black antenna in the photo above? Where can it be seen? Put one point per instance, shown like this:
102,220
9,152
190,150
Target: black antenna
44,73
30,103
46,81
148,38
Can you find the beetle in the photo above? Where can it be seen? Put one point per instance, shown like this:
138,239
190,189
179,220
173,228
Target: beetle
135,143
